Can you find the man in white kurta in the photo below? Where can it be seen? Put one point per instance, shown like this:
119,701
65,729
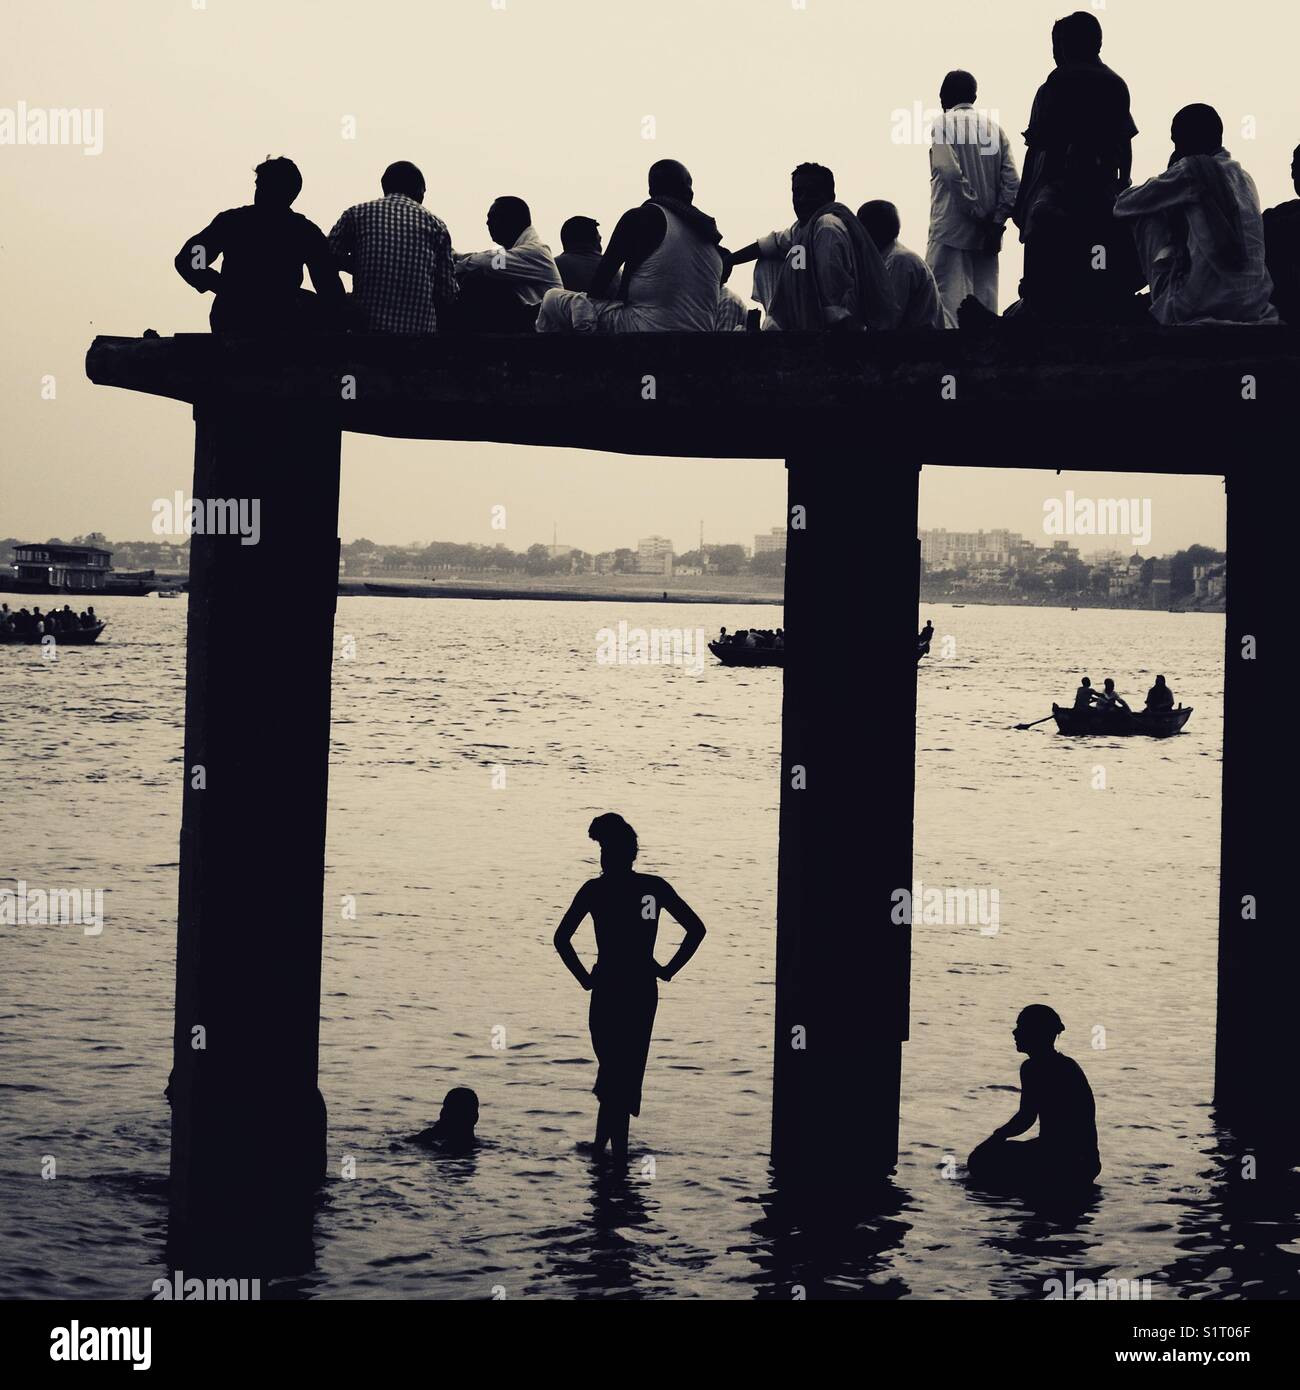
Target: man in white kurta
973,188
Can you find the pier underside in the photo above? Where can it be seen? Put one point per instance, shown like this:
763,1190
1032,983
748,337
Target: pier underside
855,417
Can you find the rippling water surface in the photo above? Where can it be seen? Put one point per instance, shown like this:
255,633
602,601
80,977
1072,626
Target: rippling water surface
447,974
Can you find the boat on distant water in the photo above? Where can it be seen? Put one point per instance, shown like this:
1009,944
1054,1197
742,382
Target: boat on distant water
737,654
1111,722
77,637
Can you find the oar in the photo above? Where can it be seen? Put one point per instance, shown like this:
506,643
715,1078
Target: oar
1043,720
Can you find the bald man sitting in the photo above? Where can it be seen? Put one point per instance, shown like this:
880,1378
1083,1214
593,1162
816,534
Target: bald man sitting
671,260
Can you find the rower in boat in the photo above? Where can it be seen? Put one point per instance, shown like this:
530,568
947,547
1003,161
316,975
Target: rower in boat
1159,698
923,639
1109,698
1085,696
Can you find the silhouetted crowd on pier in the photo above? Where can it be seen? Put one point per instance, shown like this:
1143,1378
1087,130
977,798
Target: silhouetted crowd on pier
1188,246
57,622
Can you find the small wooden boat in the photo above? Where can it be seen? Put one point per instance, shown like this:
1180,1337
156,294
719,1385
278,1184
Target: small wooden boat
78,637
734,654
1112,722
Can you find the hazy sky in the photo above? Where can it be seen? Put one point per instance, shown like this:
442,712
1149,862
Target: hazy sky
547,99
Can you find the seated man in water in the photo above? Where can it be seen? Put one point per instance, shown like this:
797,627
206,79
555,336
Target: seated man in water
454,1128
1160,697
1054,1092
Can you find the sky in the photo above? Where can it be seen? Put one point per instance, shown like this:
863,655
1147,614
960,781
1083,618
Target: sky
552,100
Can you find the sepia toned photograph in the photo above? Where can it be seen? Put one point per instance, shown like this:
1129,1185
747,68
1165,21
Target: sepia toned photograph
470,476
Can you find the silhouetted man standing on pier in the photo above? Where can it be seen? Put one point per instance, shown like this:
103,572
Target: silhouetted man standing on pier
1078,263
263,249
399,256
973,187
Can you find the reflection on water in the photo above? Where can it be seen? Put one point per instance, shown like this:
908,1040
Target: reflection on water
447,975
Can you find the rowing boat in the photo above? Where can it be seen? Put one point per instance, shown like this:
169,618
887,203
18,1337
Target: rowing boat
1111,722
737,654
77,637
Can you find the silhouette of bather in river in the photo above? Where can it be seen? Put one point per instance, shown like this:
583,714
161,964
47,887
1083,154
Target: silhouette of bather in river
1055,1092
454,1128
624,907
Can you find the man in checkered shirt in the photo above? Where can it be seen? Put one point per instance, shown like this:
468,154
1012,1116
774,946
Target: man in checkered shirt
399,256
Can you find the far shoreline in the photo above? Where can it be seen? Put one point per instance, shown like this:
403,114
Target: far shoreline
573,594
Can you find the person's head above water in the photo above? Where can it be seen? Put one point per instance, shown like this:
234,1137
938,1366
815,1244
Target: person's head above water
617,841
459,1114
507,219
1037,1028
669,179
1076,38
278,183
812,186
1196,129
880,222
403,177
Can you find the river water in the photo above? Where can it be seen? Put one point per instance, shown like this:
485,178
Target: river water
472,743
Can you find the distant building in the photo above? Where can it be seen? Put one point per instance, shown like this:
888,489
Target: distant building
773,542
1211,580
654,555
560,552
949,550
73,567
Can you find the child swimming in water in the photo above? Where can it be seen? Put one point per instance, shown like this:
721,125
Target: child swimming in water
1054,1092
454,1128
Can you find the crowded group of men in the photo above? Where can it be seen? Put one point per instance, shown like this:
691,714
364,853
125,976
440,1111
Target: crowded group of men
1159,698
1188,246
26,626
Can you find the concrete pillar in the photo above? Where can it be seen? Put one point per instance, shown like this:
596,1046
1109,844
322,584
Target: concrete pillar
847,750
248,1123
1254,1087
